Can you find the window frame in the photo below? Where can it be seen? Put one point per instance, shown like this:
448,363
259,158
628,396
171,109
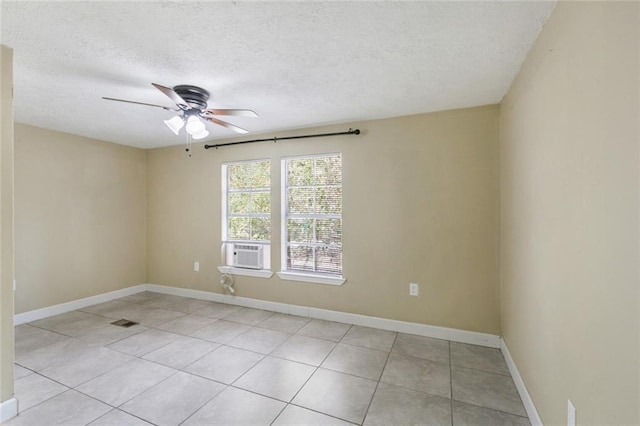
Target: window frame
296,275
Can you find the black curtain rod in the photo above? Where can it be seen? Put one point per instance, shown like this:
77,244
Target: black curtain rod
276,139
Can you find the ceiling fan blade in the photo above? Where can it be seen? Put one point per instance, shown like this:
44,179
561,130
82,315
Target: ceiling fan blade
227,125
173,95
140,103
236,112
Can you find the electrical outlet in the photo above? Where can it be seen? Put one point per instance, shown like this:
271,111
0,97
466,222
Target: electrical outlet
414,289
196,266
571,414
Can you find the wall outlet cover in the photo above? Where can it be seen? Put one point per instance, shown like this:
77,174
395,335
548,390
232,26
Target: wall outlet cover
571,414
414,289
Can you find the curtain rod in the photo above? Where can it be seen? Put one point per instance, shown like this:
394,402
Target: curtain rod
276,139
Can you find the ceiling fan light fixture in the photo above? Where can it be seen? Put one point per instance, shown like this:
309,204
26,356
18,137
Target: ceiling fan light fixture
192,109
195,125
175,124
202,134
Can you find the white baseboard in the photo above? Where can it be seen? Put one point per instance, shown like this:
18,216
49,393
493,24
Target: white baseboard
8,409
455,335
529,406
49,311
462,336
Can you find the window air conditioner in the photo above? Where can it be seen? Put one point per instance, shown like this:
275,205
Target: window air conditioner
247,256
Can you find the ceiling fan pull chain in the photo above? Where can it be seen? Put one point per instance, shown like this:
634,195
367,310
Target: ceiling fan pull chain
188,149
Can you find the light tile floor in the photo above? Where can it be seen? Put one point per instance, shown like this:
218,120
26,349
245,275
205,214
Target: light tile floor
194,362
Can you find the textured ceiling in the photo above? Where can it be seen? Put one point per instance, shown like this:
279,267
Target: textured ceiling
297,64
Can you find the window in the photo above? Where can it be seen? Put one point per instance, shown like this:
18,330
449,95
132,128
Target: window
246,206
312,216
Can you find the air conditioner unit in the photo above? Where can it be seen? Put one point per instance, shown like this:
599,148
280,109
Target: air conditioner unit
247,256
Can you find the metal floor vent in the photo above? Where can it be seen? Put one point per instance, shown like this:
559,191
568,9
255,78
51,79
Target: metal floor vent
124,323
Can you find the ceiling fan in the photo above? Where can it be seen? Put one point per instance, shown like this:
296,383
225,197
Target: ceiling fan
191,102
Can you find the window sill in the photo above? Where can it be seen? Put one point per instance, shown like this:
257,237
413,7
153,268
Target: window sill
309,278
260,273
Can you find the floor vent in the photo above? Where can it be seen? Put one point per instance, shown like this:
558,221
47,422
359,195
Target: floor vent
124,323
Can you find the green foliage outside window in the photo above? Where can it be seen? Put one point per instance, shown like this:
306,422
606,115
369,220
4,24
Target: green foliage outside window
249,201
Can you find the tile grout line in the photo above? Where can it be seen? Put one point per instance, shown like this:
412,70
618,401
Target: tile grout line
317,367
208,401
311,375
320,412
286,404
50,398
122,411
395,338
111,411
493,409
31,324
183,368
484,371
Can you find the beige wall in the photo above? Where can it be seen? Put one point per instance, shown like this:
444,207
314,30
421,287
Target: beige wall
420,205
80,217
569,209
6,224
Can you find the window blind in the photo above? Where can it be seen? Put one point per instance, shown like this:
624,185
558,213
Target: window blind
313,217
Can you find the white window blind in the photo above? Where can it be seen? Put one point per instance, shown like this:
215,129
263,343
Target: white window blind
312,219
247,201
